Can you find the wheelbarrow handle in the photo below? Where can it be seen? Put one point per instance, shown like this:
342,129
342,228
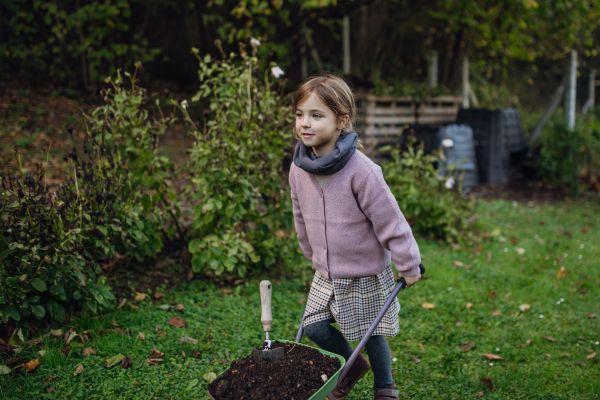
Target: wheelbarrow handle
401,285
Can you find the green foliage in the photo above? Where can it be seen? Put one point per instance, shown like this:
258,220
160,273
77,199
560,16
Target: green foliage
66,39
242,216
53,238
570,159
430,208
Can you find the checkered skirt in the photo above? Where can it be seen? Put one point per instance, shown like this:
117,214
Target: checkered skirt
353,303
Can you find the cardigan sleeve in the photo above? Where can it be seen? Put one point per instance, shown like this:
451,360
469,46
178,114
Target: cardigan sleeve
299,220
391,228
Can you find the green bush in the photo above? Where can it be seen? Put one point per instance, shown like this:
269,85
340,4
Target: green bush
570,159
242,212
431,209
53,238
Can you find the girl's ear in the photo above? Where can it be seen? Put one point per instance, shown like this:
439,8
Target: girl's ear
342,121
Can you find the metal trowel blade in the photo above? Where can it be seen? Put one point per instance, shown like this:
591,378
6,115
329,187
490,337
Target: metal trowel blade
269,355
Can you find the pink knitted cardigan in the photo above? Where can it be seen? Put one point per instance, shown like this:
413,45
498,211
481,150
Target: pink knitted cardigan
353,227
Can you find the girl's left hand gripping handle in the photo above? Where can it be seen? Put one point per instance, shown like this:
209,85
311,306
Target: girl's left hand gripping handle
265,301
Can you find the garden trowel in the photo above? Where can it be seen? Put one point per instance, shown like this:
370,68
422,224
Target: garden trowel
267,319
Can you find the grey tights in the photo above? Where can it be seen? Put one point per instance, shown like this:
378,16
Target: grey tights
330,339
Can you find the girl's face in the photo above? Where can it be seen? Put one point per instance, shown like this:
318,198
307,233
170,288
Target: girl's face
318,125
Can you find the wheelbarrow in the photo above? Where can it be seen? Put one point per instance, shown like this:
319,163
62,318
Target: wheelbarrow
325,392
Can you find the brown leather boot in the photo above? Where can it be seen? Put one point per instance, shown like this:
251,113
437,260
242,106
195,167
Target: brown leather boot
357,371
387,393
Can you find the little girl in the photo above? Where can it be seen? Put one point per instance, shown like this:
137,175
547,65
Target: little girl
350,226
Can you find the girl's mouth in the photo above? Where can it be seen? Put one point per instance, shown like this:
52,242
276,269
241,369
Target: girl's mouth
307,135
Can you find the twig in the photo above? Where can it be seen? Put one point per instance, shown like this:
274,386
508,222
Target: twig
291,348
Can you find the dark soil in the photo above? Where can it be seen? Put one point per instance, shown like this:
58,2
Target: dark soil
296,377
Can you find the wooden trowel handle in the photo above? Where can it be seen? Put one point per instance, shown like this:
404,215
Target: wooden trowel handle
265,301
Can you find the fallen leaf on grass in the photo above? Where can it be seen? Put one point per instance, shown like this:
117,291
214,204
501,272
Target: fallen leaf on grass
593,355
163,307
548,338
14,360
524,307
159,295
157,328
520,251
114,323
458,264
162,334
114,360
416,360
480,394
31,365
156,354
4,370
493,294
187,339
126,362
548,355
182,354
469,305
50,389
488,257
496,313
488,382
48,379
209,377
528,342
121,304
132,305
421,346
492,357
459,323
153,361
140,296
56,333
506,296
562,272
177,322
467,346
178,307
591,316
514,240
301,301
70,335
521,344
142,335
428,306
88,352
42,353
78,370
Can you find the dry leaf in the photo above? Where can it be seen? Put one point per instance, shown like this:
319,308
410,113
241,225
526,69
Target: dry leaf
182,354
157,328
56,333
42,353
459,323
548,355
528,342
48,379
114,323
142,335
159,295
50,389
593,355
506,296
480,394
177,322
493,357
187,339
416,360
521,345
121,304
524,307
114,360
421,346
488,257
88,352
467,346
70,335
162,334
126,362
78,370
561,273
209,377
31,365
488,382
540,241
458,264
493,294
548,338
14,360
469,305
585,229
178,307
428,306
140,296
514,240
480,247
301,301
496,313
591,316
153,361
132,305
520,251
156,354
4,370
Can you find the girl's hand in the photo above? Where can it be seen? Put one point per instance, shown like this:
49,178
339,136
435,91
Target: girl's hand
411,280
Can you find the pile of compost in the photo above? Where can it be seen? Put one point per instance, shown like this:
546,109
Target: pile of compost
297,376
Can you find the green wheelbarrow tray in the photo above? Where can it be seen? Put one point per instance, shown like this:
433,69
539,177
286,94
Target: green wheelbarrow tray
327,388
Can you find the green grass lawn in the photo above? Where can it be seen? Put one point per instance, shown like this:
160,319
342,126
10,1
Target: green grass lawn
226,323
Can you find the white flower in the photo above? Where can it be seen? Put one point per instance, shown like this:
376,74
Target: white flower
514,203
581,246
561,299
395,359
497,349
597,342
277,72
491,364
566,255
449,183
579,256
255,42
536,236
447,143
558,302
541,316
184,104
449,288
505,249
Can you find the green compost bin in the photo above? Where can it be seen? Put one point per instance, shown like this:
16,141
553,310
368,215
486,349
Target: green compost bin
328,387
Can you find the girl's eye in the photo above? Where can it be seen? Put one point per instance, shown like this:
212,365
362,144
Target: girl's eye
317,116
298,115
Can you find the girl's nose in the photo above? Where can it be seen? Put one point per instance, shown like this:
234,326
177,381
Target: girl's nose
304,123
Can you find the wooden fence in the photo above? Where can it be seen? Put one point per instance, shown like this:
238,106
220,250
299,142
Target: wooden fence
381,119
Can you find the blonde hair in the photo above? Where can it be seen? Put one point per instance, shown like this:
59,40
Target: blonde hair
335,93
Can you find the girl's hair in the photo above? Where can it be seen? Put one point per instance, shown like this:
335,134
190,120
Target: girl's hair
335,93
